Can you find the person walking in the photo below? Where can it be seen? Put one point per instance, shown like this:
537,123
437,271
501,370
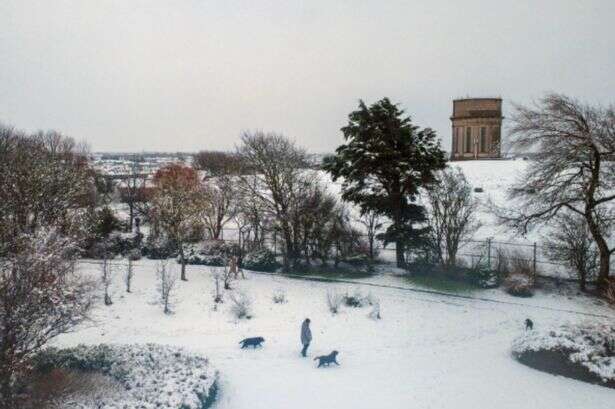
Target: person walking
306,336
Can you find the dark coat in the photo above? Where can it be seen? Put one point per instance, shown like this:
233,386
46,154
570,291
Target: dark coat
306,333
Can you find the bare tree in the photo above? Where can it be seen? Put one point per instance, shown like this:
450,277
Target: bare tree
219,205
44,181
372,222
217,293
129,274
41,297
571,242
572,169
133,189
216,163
452,215
278,173
166,284
106,277
177,204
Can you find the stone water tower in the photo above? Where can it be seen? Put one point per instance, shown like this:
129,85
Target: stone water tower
477,128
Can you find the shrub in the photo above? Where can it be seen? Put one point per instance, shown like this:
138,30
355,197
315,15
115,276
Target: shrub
159,248
334,301
375,312
260,260
204,260
585,352
356,300
220,248
481,275
134,255
152,376
279,296
519,285
241,305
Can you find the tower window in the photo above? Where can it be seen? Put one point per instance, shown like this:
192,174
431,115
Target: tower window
468,140
456,140
483,139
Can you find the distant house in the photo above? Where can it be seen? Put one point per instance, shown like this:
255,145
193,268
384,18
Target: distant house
477,128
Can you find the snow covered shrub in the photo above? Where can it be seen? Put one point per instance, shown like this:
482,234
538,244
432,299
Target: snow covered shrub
63,388
159,248
152,376
481,275
519,285
356,300
166,285
334,301
520,280
41,297
205,255
375,312
279,296
585,352
260,260
220,248
134,255
241,305
217,293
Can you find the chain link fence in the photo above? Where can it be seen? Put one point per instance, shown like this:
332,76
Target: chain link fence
471,252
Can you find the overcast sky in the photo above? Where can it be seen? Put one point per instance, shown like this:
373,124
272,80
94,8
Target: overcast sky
185,75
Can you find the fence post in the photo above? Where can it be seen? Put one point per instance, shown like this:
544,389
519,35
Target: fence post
489,252
534,261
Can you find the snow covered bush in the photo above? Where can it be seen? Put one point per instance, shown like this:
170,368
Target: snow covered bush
585,352
260,260
134,255
166,284
356,300
152,376
375,312
334,301
279,296
200,256
481,275
520,280
241,305
159,248
41,297
519,285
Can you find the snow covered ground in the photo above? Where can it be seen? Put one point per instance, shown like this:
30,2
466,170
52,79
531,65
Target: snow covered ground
428,351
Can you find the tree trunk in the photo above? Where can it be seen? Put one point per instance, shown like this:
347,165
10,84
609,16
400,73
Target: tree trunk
603,250
182,260
603,273
399,253
131,211
583,280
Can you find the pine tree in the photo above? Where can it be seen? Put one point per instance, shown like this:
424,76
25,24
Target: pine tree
383,164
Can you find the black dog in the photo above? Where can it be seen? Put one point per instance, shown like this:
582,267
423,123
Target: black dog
529,324
255,342
327,359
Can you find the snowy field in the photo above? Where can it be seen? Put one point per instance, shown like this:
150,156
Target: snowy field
428,351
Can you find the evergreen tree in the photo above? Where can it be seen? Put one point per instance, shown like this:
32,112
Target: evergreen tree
383,164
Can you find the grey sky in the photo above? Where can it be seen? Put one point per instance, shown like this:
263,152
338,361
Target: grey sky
192,74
